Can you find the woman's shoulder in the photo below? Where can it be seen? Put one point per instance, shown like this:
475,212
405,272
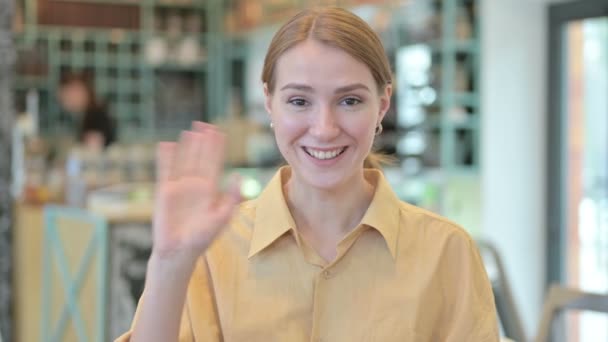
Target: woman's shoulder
428,223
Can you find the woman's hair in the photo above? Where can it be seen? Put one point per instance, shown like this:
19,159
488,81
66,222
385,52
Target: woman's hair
338,28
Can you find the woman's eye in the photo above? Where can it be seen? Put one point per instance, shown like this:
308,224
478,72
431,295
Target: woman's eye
298,102
351,101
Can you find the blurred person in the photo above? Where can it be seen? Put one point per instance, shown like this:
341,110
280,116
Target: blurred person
96,128
327,252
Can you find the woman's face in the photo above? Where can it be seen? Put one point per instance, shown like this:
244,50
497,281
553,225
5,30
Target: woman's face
74,97
325,107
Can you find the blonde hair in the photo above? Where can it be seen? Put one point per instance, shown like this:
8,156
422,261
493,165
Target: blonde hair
339,28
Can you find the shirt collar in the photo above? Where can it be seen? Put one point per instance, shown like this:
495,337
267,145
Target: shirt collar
273,219
272,216
383,213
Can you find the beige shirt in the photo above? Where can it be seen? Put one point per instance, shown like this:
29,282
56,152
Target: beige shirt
404,274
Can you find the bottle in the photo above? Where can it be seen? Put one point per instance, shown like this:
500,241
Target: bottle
76,189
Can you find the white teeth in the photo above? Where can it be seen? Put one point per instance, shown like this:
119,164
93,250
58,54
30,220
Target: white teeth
324,154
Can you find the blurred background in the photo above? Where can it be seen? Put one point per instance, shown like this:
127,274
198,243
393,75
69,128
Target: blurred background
499,122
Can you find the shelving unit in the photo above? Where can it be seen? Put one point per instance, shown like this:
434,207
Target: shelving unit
448,111
131,74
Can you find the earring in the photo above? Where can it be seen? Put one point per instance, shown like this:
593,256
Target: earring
378,129
271,125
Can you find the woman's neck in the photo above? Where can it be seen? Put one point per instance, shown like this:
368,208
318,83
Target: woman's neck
325,216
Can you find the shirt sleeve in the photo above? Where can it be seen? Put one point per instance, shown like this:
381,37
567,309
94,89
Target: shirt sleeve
185,329
199,320
470,311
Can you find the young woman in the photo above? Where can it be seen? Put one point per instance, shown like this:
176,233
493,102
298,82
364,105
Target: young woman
327,252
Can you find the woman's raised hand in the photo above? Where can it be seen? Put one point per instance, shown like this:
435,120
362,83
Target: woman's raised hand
191,208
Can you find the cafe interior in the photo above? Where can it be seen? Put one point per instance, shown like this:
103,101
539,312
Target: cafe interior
498,121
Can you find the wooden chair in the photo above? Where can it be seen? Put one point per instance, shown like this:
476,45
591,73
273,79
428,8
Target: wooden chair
505,304
75,265
560,299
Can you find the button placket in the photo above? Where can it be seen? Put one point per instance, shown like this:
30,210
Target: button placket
320,293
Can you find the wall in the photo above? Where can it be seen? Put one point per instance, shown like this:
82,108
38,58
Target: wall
513,83
7,57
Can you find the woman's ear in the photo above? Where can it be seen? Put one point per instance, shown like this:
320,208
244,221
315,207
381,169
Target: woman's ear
267,99
385,102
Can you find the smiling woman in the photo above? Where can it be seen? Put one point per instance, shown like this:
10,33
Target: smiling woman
325,113
334,30
327,251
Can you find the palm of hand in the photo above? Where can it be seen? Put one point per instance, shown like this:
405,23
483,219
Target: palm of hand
190,208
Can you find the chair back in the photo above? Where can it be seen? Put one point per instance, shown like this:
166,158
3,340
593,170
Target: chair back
74,275
561,299
505,304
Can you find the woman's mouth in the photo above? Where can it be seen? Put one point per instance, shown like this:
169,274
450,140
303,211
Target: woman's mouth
324,154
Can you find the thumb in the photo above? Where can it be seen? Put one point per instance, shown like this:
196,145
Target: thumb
229,199
234,187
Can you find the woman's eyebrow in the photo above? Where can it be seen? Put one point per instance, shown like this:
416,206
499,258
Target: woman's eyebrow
344,89
352,87
298,86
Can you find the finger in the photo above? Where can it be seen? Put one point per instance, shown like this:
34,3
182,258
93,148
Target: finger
165,152
234,187
188,152
211,160
230,197
200,126
224,208
212,151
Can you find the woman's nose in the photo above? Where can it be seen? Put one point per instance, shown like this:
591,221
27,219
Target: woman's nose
325,125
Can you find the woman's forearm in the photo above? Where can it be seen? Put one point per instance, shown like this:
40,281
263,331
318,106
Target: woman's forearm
161,309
